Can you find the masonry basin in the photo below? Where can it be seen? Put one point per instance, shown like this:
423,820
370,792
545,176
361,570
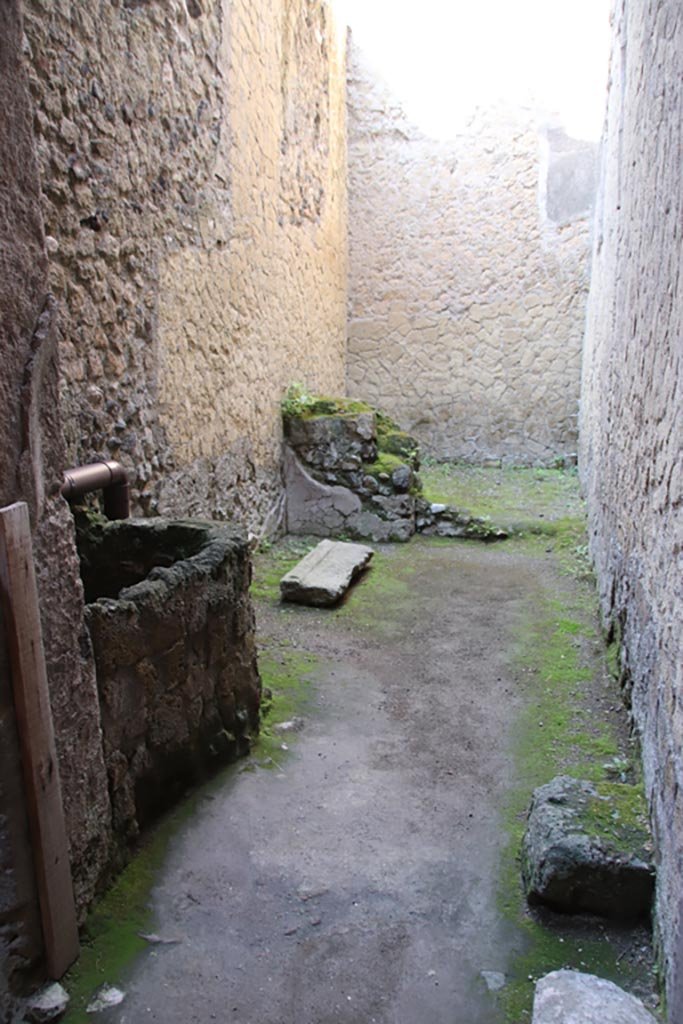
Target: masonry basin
171,622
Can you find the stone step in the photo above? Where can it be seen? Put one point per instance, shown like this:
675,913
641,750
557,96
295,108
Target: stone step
325,574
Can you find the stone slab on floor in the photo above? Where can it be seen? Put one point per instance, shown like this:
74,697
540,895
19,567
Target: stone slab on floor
325,574
569,997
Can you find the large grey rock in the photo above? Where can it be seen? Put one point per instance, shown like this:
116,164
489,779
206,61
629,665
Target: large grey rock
329,441
314,507
351,472
325,574
587,848
568,997
339,456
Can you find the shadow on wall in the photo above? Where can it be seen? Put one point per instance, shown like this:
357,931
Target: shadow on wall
31,462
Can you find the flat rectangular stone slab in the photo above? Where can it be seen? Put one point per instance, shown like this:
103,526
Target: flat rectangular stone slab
325,574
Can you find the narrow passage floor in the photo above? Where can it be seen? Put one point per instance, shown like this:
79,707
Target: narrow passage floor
360,866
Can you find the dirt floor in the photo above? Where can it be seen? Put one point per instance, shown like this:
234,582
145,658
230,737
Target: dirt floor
361,865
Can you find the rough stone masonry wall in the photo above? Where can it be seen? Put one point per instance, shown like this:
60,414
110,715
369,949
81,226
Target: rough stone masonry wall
192,154
172,628
468,277
31,463
632,415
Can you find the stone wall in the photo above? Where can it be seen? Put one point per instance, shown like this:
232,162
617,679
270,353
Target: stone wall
31,463
172,627
632,416
193,165
468,276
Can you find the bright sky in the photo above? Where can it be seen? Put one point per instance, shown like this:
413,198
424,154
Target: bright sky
443,57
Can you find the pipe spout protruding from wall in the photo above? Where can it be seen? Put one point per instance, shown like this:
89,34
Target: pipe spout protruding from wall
109,477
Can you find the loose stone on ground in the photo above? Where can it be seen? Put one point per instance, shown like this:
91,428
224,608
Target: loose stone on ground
50,1004
568,997
104,998
494,980
587,848
325,574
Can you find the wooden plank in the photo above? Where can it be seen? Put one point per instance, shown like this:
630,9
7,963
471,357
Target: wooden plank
19,595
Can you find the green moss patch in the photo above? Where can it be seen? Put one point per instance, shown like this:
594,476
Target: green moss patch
392,440
558,731
514,497
376,604
385,463
619,817
286,675
561,730
272,562
111,938
302,403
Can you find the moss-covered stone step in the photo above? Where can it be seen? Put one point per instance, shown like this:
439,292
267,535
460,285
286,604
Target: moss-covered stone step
342,444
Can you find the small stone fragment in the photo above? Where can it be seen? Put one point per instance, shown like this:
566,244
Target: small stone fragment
495,980
104,998
370,484
291,725
566,997
310,894
157,940
402,478
50,1004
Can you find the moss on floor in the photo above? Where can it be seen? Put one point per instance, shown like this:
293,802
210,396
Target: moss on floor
566,727
287,687
375,603
560,665
568,677
273,561
513,497
568,683
112,936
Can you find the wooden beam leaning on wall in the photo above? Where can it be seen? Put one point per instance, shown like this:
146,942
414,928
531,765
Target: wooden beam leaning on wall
19,595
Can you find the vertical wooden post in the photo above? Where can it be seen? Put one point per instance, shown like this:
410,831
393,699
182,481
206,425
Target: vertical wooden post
19,595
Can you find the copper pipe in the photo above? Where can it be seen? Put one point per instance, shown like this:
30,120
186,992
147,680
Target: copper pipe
108,477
